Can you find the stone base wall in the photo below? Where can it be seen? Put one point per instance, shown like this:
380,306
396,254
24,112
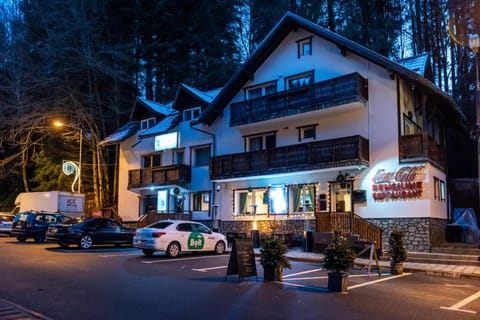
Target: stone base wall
420,233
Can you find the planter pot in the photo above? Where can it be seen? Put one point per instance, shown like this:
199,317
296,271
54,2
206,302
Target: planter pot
272,273
337,281
396,267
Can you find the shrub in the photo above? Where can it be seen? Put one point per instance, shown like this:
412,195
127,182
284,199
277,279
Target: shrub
338,255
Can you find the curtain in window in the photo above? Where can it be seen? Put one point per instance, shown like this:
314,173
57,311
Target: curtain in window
243,202
297,195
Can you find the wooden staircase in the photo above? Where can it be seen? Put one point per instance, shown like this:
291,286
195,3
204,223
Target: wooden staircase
350,223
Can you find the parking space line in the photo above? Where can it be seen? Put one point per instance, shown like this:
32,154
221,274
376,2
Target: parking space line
377,281
177,259
301,286
303,272
457,306
207,269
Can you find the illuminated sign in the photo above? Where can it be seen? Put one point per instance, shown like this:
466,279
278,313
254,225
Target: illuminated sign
162,200
166,141
401,184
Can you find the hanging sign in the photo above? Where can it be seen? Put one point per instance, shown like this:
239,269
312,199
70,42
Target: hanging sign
395,185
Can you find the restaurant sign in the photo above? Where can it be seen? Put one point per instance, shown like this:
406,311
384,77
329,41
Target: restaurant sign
395,185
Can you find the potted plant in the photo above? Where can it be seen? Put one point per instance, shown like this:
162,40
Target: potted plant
397,252
273,259
339,258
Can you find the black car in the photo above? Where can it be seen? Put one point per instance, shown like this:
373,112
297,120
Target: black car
34,224
86,232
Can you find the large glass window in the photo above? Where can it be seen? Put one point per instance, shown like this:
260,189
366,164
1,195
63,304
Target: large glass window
303,198
251,201
278,197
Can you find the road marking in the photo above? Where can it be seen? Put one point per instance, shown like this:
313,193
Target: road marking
177,259
377,281
303,272
457,306
207,269
118,255
301,286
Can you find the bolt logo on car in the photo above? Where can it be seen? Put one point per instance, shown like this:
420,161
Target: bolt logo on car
196,241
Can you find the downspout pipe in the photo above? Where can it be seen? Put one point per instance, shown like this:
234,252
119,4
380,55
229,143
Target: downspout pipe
213,211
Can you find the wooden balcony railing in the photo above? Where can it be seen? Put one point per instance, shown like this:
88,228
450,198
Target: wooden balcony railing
174,174
420,146
349,222
300,157
321,95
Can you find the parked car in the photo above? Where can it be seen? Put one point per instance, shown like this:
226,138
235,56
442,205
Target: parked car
174,236
86,232
6,222
34,225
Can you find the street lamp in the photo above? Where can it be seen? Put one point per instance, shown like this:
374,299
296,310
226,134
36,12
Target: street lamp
474,44
60,124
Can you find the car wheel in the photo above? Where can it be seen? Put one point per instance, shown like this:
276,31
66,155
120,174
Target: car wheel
63,244
148,252
85,241
220,247
39,237
173,249
21,239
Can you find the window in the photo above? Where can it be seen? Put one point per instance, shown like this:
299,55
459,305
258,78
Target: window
152,160
191,114
306,133
298,81
147,123
166,141
200,201
178,156
201,156
251,201
304,47
439,192
278,199
303,198
261,90
260,142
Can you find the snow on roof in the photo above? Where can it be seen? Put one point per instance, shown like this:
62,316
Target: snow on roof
206,96
164,109
416,63
163,126
121,134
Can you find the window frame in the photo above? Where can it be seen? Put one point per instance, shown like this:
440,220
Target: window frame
263,89
151,160
301,47
147,123
193,113
263,135
304,75
301,132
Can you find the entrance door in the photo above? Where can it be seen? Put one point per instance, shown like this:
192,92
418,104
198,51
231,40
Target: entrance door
341,196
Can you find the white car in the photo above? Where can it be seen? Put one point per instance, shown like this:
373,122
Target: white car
174,236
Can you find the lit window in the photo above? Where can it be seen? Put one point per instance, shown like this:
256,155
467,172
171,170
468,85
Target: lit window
260,142
200,201
304,47
147,123
298,81
251,201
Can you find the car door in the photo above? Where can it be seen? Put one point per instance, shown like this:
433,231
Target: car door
96,228
184,230
206,235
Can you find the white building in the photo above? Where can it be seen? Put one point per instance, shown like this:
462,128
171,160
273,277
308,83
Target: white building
313,131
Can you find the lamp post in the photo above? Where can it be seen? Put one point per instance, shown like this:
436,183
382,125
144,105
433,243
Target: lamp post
474,44
60,124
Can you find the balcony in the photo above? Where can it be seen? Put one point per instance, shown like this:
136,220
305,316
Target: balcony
421,147
332,153
160,176
339,91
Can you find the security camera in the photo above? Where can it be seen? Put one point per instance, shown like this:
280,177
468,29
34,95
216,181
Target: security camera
219,187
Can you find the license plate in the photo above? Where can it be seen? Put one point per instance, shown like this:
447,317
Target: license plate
53,230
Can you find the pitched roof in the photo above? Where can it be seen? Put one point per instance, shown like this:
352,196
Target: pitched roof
121,134
288,23
171,121
416,63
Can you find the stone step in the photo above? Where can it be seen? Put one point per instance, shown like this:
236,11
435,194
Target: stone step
442,258
457,248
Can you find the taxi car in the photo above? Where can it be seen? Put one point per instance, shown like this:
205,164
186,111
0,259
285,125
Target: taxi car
6,222
175,236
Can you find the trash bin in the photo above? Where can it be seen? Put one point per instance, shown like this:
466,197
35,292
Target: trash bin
307,241
256,238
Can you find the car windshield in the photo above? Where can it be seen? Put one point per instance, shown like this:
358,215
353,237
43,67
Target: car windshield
22,217
74,221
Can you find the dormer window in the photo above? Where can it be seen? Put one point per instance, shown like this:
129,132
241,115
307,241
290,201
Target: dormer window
191,114
304,47
147,123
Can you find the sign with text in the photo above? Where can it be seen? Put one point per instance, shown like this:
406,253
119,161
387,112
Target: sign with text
242,259
404,184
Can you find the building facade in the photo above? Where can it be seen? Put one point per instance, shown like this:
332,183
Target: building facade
313,132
